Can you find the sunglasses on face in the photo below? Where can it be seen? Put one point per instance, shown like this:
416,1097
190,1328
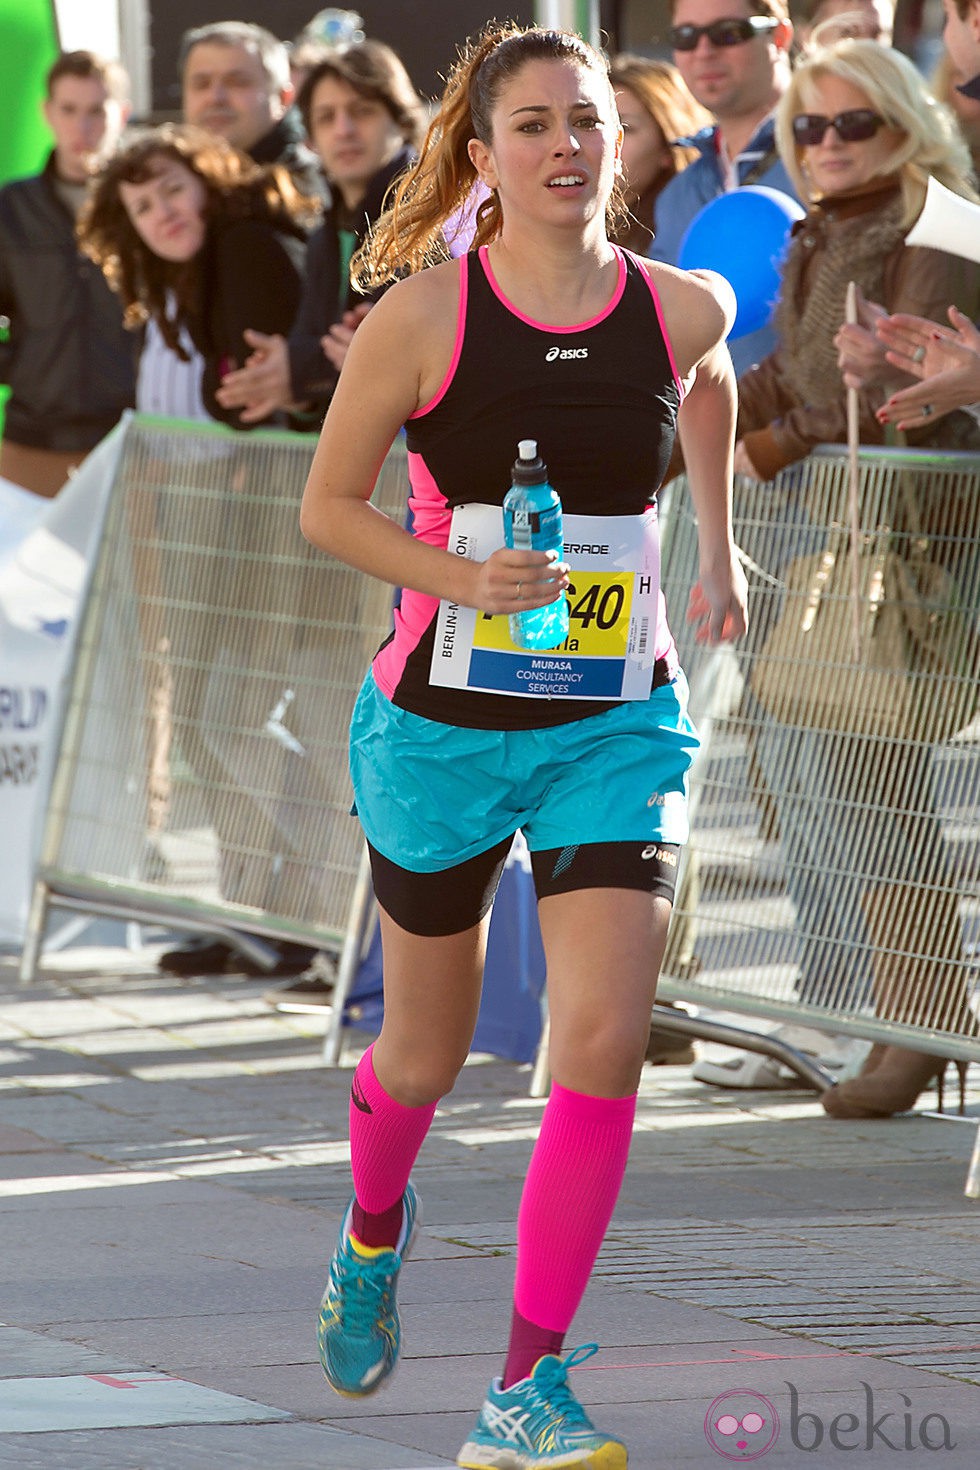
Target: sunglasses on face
722,32
856,126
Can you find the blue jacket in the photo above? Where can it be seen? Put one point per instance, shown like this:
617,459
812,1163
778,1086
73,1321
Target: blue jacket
689,191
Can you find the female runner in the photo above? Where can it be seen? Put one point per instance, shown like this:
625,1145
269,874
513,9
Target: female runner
543,330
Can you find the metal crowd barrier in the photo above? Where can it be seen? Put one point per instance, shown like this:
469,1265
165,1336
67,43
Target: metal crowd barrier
833,874
202,779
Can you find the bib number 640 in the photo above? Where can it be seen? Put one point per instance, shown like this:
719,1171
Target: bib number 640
601,604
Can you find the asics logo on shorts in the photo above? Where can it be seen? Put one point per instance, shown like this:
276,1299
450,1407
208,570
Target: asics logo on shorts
563,354
662,854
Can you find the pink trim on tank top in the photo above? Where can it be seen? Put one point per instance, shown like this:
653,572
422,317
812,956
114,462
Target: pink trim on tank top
457,346
546,326
431,519
663,328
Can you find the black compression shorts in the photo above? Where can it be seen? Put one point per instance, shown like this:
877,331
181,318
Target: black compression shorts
456,899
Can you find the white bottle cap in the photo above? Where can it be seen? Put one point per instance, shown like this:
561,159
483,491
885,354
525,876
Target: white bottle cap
527,448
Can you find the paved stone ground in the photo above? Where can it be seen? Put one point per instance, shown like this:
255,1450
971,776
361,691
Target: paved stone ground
173,1171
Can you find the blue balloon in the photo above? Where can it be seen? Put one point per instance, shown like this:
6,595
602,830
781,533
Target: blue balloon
743,235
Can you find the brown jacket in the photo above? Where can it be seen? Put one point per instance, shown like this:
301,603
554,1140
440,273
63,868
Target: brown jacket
795,398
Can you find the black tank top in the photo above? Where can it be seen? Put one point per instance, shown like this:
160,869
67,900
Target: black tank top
600,399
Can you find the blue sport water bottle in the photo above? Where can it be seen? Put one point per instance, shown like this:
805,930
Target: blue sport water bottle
533,522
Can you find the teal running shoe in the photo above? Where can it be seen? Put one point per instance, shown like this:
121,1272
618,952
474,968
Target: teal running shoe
358,1331
539,1424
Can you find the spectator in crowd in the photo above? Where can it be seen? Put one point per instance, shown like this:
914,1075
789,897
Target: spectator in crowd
822,22
655,110
189,231
236,82
304,55
735,58
68,361
862,346
203,242
864,186
946,86
365,120
961,38
863,196
860,135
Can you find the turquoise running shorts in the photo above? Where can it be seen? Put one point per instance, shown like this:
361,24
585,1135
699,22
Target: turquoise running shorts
431,796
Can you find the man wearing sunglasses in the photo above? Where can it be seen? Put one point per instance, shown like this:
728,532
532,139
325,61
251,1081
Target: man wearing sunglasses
734,57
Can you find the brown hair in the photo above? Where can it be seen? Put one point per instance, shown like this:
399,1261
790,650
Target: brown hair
237,188
663,93
408,236
376,72
272,55
86,64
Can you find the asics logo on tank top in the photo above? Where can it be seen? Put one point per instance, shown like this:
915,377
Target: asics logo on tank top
564,354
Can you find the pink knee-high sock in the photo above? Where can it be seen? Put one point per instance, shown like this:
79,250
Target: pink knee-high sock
569,1195
385,1137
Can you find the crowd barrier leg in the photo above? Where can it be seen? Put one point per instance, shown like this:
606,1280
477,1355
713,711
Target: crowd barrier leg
362,914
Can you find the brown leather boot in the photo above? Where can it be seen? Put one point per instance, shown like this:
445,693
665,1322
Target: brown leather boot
892,1085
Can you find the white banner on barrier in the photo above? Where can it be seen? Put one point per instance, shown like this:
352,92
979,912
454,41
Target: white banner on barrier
46,551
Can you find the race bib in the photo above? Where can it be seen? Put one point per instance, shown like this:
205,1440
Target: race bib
614,564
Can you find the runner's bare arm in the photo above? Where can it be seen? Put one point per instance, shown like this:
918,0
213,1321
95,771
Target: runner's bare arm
698,311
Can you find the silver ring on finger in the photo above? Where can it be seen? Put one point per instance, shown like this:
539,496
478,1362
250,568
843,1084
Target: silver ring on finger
520,589
919,354
926,410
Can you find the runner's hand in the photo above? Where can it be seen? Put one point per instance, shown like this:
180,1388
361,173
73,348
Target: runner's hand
512,581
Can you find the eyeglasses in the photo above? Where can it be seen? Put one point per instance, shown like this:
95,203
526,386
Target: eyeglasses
723,32
855,126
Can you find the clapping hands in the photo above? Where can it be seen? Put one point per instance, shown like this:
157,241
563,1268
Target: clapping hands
946,360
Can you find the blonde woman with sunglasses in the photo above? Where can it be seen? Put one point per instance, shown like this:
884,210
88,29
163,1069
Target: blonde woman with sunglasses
859,134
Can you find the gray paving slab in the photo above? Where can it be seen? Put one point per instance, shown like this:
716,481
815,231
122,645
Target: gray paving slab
30,1354
211,1447
110,1400
173,1167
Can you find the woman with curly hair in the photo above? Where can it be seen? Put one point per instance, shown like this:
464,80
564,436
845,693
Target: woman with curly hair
200,241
